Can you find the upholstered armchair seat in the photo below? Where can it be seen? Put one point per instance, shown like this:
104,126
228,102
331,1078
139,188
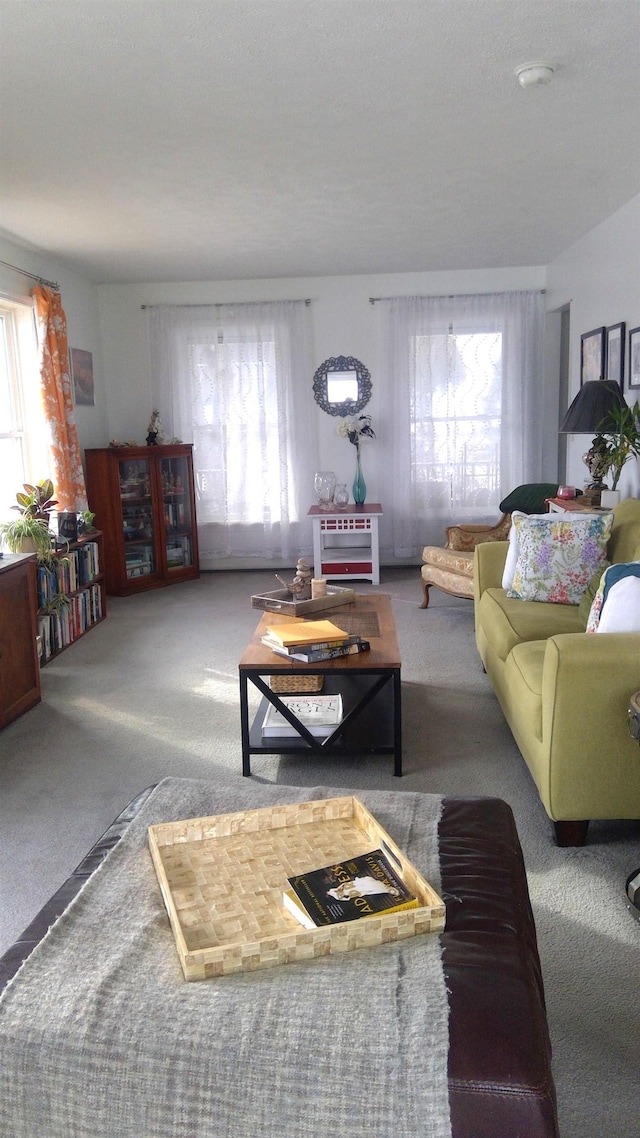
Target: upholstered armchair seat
451,567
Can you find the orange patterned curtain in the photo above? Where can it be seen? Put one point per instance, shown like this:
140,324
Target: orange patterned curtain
67,474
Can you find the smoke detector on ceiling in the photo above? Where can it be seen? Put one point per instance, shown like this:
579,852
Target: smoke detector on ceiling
534,74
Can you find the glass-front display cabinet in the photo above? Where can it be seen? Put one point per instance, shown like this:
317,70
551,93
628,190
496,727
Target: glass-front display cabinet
144,502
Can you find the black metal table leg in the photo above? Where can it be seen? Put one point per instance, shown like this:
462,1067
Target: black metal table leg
397,724
244,725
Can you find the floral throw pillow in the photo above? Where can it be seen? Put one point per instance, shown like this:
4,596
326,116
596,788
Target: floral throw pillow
558,555
512,552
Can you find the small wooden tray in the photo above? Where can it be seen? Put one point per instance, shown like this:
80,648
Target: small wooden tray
222,880
280,600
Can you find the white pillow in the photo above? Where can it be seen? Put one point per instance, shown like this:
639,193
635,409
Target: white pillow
621,613
616,605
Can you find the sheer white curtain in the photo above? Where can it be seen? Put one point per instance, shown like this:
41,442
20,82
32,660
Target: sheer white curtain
235,381
466,373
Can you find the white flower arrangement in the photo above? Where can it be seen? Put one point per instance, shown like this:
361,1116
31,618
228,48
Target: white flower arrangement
356,429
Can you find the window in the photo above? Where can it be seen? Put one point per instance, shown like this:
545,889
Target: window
233,380
23,433
235,430
468,383
456,420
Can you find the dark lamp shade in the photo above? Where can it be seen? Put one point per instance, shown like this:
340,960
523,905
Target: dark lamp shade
590,409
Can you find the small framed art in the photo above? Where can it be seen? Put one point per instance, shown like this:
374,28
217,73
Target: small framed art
82,373
614,368
592,355
634,357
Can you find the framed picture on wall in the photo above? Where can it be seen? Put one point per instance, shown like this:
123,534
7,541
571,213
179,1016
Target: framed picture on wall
615,354
82,373
634,357
592,355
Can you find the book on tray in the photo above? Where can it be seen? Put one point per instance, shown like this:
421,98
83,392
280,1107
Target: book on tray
306,632
320,650
320,714
362,886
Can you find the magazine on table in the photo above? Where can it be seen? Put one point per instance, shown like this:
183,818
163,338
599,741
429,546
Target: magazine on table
362,886
320,714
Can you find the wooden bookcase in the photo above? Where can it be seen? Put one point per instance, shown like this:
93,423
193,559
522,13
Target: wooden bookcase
78,575
144,502
19,669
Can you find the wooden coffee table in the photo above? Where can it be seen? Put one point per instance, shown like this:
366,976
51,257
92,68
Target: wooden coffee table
369,683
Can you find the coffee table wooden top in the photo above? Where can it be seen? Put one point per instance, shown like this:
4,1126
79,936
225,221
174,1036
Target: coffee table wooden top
369,616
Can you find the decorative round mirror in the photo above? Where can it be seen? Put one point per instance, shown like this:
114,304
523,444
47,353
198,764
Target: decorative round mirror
342,386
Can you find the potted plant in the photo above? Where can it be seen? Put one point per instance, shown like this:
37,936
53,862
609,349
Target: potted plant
29,533
620,440
85,521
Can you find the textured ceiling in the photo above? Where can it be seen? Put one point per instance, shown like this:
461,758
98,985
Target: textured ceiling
156,140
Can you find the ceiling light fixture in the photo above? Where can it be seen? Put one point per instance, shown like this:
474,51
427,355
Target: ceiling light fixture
534,74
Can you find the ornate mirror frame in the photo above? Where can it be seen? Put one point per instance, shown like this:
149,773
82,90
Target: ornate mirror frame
345,368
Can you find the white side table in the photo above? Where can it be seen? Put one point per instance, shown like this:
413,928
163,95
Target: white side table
337,555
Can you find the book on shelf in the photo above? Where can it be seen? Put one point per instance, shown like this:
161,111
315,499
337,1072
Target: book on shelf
72,569
178,551
306,632
316,652
358,887
320,714
59,628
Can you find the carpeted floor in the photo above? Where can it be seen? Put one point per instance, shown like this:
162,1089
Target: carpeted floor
153,691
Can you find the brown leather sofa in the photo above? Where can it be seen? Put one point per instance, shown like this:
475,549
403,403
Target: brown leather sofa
500,1081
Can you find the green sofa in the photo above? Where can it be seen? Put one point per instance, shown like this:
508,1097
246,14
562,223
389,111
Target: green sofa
564,692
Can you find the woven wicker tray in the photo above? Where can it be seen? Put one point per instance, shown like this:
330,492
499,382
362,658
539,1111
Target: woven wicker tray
280,600
222,880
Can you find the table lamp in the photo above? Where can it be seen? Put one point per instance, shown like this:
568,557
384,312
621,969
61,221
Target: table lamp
590,412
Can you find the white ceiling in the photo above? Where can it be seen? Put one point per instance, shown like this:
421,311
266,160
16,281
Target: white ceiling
154,140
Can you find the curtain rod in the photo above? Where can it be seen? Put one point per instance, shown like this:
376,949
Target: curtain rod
34,277
455,295
225,304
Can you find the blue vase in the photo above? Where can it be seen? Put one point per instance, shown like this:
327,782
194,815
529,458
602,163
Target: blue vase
359,484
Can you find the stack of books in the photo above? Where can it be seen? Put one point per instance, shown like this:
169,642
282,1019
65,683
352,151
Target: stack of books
310,641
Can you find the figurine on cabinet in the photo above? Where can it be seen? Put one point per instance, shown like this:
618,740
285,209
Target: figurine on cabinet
156,436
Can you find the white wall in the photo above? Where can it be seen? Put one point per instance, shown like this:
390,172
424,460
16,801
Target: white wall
599,276
344,324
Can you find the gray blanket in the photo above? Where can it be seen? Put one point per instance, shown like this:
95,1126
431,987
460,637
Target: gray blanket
101,1037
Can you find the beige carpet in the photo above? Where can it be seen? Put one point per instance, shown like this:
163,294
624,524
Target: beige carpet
153,691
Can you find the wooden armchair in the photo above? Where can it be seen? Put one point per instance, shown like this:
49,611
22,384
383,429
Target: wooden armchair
451,567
